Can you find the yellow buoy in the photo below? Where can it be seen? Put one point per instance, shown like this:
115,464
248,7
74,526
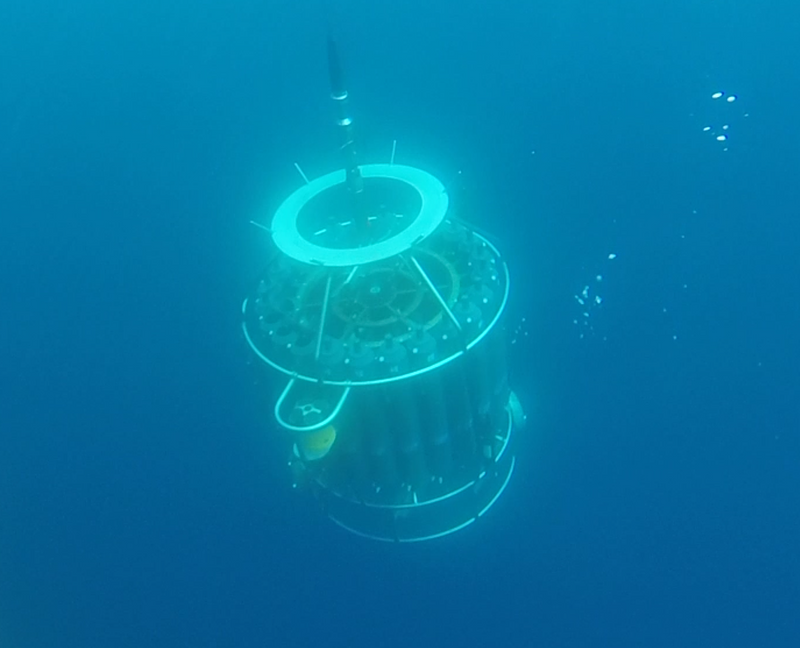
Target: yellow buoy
315,445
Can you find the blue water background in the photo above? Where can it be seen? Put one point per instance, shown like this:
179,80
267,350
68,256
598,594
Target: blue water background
144,499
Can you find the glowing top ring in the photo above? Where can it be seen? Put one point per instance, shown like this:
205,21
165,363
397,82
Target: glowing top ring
434,207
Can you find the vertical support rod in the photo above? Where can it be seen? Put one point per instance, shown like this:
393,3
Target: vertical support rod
323,317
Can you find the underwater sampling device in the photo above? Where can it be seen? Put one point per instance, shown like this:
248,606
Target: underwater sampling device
384,314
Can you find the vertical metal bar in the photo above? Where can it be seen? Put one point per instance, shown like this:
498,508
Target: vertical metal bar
323,317
351,275
435,292
302,175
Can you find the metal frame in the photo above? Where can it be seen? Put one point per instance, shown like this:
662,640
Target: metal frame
382,381
432,502
287,237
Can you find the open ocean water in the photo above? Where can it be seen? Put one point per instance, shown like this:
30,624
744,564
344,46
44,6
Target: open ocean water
144,497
